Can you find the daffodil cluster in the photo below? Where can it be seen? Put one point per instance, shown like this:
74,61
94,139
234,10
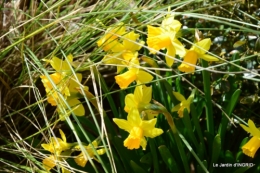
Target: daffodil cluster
61,150
62,87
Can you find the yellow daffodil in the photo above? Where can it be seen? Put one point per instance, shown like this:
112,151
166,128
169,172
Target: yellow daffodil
198,50
138,129
133,74
253,144
140,100
164,37
110,40
184,103
82,159
122,53
56,146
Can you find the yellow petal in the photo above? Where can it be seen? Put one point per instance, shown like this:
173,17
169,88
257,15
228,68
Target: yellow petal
49,162
81,160
101,151
60,65
147,94
208,57
170,24
134,118
170,55
130,43
74,83
179,96
144,77
133,141
63,137
77,107
179,48
251,146
143,143
123,124
253,130
129,55
202,46
157,39
125,79
176,108
138,93
191,58
130,102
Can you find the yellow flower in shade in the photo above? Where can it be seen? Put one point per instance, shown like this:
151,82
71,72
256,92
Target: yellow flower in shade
110,40
164,37
123,53
138,129
56,147
184,103
198,50
82,159
140,100
253,144
133,74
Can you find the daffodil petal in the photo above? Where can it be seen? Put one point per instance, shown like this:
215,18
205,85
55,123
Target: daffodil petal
191,57
77,107
153,132
134,117
144,77
176,108
202,46
179,48
143,143
63,137
253,130
147,94
74,83
49,162
179,96
130,102
170,55
207,57
123,124
123,80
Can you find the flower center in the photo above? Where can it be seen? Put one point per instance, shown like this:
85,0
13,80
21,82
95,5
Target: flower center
134,139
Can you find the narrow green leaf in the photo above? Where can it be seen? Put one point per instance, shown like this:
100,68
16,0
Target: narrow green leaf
207,91
189,128
154,156
137,168
196,123
230,107
168,159
215,151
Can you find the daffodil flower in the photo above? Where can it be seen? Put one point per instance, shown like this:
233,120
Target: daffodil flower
56,147
133,74
164,37
138,129
253,144
82,159
110,40
140,100
198,50
184,103
124,52
66,86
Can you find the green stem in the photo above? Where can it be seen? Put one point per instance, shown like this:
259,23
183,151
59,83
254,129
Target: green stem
207,91
160,108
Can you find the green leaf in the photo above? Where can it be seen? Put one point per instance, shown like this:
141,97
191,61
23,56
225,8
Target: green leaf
137,168
168,159
147,158
154,156
215,151
189,128
230,107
